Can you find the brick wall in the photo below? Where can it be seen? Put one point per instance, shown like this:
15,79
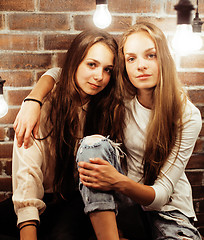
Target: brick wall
34,36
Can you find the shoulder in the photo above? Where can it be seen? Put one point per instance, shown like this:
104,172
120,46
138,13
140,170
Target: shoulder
192,116
54,73
191,111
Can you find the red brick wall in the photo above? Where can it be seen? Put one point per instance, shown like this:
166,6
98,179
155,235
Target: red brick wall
34,36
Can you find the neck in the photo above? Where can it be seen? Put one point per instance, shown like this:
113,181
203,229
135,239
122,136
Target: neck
145,97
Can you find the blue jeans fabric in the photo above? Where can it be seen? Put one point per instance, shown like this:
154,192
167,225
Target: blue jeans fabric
103,148
134,223
172,225
131,219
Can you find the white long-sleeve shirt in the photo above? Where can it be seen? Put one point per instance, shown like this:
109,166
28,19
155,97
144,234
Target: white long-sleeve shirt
32,175
172,188
33,169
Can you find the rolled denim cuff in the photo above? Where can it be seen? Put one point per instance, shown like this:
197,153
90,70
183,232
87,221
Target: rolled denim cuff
100,206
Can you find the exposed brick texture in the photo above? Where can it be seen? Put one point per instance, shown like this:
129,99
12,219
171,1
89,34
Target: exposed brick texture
34,36
20,5
25,60
38,22
64,5
17,78
191,78
197,96
18,42
2,21
15,97
139,6
58,41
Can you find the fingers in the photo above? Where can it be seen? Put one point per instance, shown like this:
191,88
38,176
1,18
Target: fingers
28,119
85,178
85,172
93,163
19,134
85,165
98,161
36,128
89,182
27,136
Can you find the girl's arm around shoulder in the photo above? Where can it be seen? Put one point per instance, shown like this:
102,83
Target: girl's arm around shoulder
28,118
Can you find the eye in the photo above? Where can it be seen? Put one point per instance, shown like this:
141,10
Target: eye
130,59
91,64
152,55
108,70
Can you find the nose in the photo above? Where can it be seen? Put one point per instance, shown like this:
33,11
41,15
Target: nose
141,64
98,75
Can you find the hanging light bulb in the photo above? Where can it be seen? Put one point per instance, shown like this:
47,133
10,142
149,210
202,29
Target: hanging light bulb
3,104
184,40
197,28
102,17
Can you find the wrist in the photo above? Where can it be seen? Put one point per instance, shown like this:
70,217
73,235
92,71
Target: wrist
121,183
35,96
28,230
33,100
28,223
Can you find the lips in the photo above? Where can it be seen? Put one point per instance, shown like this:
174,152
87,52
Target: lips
144,76
94,85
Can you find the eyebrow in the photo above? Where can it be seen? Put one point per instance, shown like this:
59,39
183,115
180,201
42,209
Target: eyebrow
147,50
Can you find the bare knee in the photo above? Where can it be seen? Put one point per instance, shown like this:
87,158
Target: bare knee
90,140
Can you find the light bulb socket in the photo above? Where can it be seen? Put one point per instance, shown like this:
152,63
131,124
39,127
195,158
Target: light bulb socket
184,8
1,85
101,2
197,23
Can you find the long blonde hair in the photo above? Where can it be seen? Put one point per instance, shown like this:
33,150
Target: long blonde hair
169,100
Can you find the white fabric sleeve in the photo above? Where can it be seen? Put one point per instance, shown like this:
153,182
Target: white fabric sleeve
175,165
54,73
27,180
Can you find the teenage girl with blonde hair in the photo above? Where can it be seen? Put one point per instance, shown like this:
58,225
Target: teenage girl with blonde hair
160,130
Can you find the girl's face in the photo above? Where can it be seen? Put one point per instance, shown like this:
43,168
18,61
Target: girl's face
94,72
141,61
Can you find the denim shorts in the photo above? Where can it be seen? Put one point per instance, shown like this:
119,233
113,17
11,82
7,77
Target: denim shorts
172,225
101,147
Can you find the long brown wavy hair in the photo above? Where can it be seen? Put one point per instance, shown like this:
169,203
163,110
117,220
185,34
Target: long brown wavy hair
65,103
168,97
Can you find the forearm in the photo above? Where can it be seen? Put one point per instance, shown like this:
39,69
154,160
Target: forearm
101,175
28,230
138,192
44,85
